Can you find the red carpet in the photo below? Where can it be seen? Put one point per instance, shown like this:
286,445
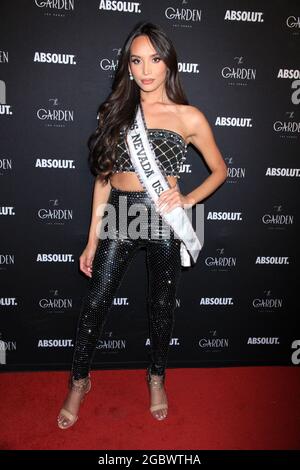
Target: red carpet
220,408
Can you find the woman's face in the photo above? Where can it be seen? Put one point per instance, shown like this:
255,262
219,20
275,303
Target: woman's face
145,63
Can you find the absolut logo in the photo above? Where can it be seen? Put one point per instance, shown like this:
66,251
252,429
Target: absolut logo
54,58
224,301
234,216
263,340
54,213
55,343
55,258
272,260
173,342
188,67
7,211
126,7
185,168
55,4
5,109
293,22
220,261
183,14
286,172
248,16
55,163
3,57
233,121
277,219
288,73
238,72
5,165
268,302
7,260
234,172
8,301
120,301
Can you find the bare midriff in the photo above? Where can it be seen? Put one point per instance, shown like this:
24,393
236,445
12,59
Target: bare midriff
129,181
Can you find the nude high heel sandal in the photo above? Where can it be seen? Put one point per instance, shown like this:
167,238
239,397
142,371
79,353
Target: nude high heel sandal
81,386
157,382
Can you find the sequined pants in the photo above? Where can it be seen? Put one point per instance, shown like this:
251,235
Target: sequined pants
111,261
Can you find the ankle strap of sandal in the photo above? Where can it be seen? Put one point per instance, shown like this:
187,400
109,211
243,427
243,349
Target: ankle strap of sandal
79,385
155,382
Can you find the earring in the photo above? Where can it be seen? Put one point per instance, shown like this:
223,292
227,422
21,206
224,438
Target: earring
130,76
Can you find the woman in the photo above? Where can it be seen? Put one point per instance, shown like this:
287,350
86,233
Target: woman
146,75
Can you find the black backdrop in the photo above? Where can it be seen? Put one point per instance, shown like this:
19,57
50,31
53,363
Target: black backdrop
239,64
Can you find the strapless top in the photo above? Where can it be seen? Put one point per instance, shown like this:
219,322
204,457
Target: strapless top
169,147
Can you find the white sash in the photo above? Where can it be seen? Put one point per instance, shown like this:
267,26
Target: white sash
143,159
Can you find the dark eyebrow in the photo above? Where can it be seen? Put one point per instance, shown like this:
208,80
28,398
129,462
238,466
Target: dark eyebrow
152,55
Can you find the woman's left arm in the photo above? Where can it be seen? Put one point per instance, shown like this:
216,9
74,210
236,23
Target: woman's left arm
201,136
203,139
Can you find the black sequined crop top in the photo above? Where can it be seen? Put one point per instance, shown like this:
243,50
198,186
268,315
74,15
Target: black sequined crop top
169,148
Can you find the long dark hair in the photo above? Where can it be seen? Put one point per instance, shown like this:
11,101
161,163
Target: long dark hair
119,109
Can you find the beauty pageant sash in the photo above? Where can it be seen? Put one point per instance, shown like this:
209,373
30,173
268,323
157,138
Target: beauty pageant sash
143,159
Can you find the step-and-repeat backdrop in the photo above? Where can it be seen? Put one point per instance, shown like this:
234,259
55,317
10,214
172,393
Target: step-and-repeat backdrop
238,63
